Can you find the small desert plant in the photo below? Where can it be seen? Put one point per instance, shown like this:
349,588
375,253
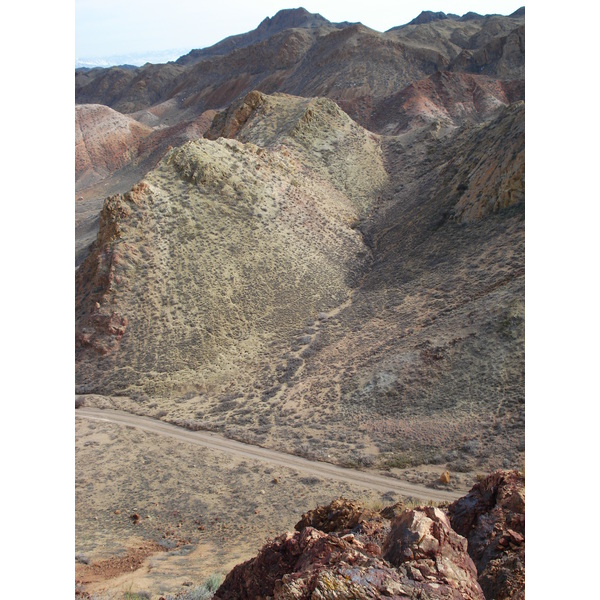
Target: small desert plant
213,582
129,595
204,591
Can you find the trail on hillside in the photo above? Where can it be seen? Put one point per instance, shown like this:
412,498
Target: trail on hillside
217,442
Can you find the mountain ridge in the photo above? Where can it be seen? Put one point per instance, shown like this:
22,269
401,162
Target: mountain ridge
284,19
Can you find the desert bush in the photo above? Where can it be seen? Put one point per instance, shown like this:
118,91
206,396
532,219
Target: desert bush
461,466
213,582
398,461
204,591
471,447
136,595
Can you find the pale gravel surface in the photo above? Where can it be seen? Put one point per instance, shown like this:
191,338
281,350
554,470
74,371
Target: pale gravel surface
316,468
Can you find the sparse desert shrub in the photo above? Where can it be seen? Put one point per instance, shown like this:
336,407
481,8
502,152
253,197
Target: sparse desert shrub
461,466
136,595
471,447
310,480
204,591
307,352
213,582
398,461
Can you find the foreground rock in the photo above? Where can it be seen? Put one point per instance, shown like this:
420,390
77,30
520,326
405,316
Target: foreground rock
492,518
396,553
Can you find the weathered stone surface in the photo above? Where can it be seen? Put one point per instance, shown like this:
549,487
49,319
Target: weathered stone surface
341,515
424,547
492,518
350,519
423,559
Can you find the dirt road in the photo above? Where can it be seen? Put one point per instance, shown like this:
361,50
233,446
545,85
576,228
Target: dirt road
321,469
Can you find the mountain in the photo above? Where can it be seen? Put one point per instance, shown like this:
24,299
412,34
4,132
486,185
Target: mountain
300,53
384,81
284,19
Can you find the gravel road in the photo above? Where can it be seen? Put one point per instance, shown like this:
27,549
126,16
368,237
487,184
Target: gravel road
215,441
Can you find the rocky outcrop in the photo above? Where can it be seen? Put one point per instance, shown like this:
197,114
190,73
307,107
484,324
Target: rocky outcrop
492,518
502,56
491,178
421,553
100,324
420,557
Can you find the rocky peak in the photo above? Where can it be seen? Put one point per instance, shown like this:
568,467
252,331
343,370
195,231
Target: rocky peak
471,16
427,16
292,17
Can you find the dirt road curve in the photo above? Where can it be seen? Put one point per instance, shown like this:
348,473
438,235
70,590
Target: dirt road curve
317,468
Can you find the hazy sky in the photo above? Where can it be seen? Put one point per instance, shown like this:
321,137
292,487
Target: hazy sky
112,27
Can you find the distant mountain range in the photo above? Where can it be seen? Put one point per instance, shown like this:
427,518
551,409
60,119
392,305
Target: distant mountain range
131,59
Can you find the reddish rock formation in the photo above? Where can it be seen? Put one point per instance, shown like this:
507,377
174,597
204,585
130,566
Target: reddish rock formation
349,518
447,98
424,547
492,518
105,140
101,327
421,552
423,558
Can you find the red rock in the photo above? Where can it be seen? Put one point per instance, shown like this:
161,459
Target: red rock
315,564
490,506
517,538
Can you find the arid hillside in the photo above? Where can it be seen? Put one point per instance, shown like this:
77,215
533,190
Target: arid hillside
301,282
438,68
226,248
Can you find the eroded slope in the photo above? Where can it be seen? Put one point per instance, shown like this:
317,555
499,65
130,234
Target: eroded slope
224,249
317,288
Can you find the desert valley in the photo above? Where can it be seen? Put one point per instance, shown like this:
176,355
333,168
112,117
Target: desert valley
299,275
